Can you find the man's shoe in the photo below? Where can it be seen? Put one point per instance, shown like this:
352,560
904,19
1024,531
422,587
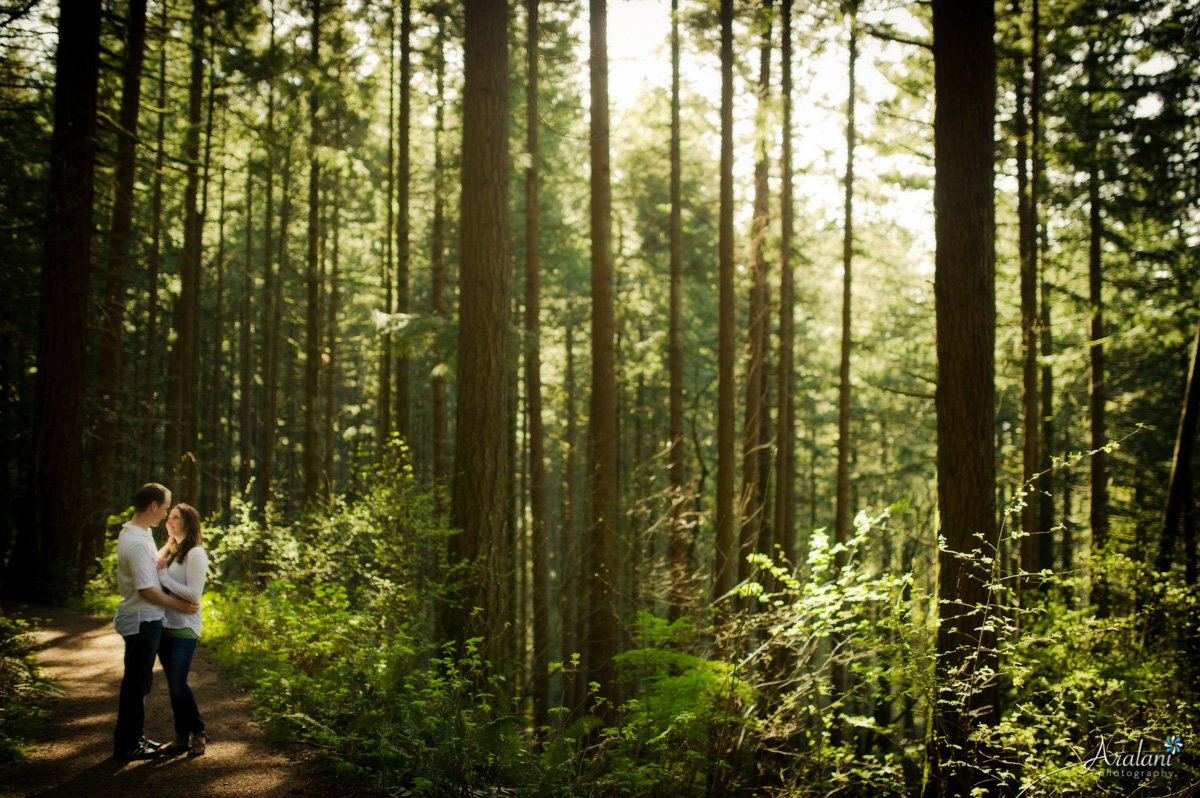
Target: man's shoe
145,749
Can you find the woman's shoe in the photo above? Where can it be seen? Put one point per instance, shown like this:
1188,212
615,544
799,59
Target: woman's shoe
195,743
176,746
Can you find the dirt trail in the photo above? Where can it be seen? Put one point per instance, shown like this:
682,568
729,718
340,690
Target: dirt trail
73,756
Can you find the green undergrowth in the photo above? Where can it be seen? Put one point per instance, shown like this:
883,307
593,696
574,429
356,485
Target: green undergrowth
22,689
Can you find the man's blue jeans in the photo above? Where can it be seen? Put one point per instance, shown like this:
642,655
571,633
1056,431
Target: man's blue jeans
140,650
175,654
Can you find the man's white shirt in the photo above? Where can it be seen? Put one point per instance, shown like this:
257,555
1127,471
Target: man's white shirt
137,569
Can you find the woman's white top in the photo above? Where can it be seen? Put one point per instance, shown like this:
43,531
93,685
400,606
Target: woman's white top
186,581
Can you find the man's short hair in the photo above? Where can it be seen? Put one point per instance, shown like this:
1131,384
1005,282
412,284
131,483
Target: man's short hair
147,495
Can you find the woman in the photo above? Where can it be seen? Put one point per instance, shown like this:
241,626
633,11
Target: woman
182,565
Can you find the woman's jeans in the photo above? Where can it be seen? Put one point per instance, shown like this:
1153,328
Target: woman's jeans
175,654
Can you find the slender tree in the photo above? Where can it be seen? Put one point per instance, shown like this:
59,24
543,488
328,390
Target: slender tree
403,184
312,353
384,418
842,518
964,284
270,335
1099,439
1030,389
533,386
753,477
181,394
603,640
441,431
785,453
245,437
677,545
723,567
112,327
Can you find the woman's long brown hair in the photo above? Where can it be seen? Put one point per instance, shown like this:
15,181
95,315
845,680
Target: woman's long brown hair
191,530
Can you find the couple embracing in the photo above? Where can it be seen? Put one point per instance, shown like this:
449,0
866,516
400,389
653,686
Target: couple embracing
159,616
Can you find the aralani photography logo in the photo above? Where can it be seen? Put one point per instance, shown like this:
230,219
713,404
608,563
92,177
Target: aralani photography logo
1147,762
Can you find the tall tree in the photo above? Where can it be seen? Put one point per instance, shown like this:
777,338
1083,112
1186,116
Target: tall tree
1099,439
437,292
785,452
753,477
181,394
723,567
677,544
270,335
216,469
964,285
1181,466
480,465
112,327
533,385
312,353
384,417
149,370
403,181
603,640
42,565
1030,389
245,437
842,518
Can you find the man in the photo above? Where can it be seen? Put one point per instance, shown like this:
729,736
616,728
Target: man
139,618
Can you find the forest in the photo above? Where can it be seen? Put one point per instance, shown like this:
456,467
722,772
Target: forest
630,397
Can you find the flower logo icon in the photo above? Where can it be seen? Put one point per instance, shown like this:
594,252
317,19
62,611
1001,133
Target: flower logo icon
1173,745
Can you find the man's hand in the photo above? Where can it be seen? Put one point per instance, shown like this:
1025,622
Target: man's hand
157,596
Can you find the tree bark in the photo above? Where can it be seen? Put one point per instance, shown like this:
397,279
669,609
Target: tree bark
603,642
1099,440
750,509
403,179
785,453
533,387
1179,488
842,517
481,468
384,421
312,354
111,401
441,430
723,566
245,436
42,566
677,544
964,203
1031,562
181,397
266,464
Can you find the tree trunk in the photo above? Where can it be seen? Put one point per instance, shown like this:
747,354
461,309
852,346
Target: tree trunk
1181,465
964,203
216,470
1047,448
570,536
677,546
312,354
245,438
1099,469
723,566
331,370
603,642
1027,249
785,457
441,430
112,395
182,387
266,464
750,505
533,387
42,566
148,378
403,413
842,522
385,362
481,468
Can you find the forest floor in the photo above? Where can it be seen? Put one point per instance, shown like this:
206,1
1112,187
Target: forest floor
72,754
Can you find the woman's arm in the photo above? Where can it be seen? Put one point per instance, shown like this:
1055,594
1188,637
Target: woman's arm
195,569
